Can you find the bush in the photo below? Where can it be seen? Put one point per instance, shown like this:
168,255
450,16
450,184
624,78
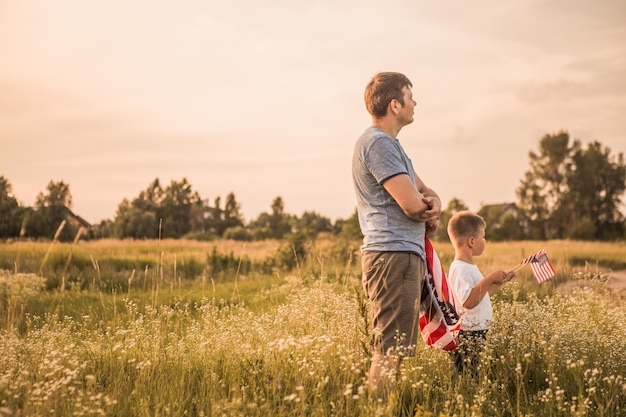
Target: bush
239,233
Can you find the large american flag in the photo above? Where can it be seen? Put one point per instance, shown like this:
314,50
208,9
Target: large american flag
540,265
438,319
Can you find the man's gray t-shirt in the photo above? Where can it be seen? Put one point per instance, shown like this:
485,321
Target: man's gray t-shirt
378,157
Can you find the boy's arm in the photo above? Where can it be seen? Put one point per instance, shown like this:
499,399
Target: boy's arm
508,275
490,283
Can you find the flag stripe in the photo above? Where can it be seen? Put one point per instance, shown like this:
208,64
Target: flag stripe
542,272
540,265
438,320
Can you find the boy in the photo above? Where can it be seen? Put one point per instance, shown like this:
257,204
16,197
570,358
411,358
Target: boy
470,288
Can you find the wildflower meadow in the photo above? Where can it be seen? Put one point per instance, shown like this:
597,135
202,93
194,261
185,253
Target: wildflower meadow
174,342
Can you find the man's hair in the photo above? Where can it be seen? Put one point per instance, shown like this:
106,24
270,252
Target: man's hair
464,224
384,87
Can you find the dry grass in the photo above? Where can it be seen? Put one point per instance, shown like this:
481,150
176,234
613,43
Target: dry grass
134,248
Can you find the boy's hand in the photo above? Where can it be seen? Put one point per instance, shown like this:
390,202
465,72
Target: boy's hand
508,275
498,277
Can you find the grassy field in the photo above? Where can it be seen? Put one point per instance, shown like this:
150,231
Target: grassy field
180,328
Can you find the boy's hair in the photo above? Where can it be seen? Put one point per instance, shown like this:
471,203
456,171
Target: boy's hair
464,224
382,88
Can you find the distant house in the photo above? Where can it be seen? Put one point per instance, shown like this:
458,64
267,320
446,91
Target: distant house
57,221
495,212
504,221
77,222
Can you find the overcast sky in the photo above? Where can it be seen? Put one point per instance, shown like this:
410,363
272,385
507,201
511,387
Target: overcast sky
265,98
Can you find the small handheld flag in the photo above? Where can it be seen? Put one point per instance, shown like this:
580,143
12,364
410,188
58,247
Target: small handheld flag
540,265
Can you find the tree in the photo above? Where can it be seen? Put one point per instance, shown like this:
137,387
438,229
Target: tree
58,194
177,207
568,185
104,230
349,229
139,218
215,215
10,211
279,220
311,224
274,225
131,221
169,213
454,206
176,211
150,199
232,217
596,184
51,209
541,191
219,219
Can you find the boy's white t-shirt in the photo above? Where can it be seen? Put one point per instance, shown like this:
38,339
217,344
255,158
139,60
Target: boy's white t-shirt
463,277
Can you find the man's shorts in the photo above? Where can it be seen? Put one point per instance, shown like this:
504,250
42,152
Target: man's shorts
393,282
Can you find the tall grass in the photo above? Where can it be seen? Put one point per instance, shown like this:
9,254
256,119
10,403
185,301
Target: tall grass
72,264
296,345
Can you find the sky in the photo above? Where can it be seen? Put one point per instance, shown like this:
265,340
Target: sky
265,98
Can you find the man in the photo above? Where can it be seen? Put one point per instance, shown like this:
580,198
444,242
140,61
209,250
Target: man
396,210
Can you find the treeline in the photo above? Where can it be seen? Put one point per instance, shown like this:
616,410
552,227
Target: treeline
569,192
174,211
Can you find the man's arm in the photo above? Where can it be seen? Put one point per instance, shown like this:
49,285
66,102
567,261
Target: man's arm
431,197
434,202
423,205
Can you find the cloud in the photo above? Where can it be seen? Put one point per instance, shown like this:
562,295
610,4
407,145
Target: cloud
559,91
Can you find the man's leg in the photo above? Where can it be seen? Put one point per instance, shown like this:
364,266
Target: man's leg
393,282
